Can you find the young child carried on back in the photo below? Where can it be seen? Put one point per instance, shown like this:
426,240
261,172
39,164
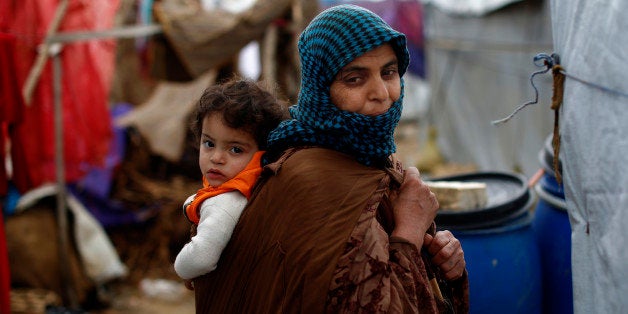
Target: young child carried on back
231,125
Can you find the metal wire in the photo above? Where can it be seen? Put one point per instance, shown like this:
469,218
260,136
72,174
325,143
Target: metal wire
548,61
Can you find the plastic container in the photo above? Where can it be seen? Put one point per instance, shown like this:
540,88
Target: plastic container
553,237
502,257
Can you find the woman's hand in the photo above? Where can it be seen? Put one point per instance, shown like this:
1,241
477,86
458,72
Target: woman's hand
414,208
446,253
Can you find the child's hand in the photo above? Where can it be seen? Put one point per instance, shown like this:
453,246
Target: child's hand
189,284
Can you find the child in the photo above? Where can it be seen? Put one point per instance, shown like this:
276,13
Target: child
231,124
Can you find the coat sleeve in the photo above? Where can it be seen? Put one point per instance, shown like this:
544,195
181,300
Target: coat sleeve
378,273
219,216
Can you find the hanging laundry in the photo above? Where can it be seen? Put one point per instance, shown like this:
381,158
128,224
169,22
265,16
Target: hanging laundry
87,69
10,100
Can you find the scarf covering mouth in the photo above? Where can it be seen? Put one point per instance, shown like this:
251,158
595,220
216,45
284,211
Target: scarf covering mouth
333,39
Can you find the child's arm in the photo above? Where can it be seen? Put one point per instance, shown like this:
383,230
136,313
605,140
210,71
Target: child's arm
219,216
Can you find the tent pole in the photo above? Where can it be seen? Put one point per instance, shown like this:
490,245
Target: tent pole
54,47
62,218
42,57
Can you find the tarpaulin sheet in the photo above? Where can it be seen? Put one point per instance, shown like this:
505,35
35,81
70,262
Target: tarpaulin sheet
469,7
592,41
479,69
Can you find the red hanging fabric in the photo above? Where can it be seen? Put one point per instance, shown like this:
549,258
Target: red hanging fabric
10,104
5,273
10,100
87,69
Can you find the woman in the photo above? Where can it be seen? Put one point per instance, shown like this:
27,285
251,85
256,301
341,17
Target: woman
335,224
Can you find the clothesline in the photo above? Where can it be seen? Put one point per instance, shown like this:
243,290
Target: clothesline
459,44
53,39
122,32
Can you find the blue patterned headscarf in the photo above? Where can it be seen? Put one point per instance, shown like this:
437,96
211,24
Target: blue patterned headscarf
334,38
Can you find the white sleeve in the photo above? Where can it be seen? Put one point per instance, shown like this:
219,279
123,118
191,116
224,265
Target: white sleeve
219,216
188,201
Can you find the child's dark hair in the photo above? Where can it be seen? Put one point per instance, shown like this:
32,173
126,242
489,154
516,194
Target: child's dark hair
244,104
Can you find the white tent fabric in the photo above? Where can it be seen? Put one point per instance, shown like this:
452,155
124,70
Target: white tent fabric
592,40
469,7
479,71
99,256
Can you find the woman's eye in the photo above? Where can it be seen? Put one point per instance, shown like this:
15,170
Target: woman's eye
352,79
389,73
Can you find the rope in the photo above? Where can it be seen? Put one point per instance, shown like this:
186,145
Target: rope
559,74
557,100
553,63
548,63
594,85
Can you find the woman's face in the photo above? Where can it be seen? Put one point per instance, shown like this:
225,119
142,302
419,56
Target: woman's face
369,84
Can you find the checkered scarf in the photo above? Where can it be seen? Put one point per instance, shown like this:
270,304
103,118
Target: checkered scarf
334,38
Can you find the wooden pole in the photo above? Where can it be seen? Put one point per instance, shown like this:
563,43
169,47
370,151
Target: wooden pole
42,57
62,214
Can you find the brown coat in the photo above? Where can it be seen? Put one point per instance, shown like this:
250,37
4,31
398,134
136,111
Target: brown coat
310,242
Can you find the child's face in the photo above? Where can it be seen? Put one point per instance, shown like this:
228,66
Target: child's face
224,151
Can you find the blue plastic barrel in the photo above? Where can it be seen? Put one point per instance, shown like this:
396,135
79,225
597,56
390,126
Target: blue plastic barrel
553,236
499,245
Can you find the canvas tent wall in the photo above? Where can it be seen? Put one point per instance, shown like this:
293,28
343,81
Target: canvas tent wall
479,64
591,38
